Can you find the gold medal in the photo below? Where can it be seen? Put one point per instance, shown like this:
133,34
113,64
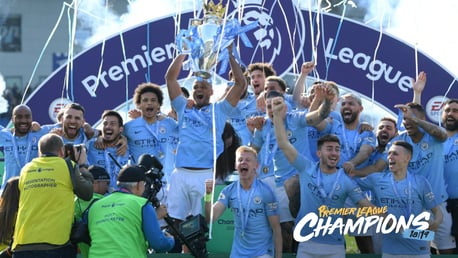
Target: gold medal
265,170
161,155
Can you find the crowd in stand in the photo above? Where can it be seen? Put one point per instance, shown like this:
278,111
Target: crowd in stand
293,153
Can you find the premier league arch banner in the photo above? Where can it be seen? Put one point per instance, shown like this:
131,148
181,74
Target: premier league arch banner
348,53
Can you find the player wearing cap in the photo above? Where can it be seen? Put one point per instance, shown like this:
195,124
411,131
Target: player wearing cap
124,224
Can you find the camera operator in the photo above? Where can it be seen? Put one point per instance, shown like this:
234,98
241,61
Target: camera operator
125,224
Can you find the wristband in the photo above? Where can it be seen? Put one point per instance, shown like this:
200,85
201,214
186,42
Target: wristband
208,198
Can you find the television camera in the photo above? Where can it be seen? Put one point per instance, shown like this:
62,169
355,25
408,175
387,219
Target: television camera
193,232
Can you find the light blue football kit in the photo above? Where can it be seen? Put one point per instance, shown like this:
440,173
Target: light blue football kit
351,142
252,232
317,189
154,139
17,151
296,125
195,147
104,158
195,154
451,165
428,161
411,195
245,109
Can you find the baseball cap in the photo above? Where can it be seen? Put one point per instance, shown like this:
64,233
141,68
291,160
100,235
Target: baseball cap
99,173
131,174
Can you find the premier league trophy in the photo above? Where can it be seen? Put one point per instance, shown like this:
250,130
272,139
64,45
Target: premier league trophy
206,39
207,29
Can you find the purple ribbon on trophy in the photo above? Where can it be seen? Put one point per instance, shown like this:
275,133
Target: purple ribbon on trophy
206,41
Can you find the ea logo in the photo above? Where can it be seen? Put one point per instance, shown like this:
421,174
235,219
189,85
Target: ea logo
277,37
55,106
434,108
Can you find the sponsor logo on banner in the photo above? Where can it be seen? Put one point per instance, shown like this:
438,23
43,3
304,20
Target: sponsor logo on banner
434,108
56,106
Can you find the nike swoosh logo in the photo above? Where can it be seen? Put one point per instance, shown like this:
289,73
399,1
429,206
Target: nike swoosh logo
137,132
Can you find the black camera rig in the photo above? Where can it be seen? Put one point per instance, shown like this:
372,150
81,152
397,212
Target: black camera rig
193,232
69,150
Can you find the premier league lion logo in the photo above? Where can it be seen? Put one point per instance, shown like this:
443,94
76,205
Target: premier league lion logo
280,36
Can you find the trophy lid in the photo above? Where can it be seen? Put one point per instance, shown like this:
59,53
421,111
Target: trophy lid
212,9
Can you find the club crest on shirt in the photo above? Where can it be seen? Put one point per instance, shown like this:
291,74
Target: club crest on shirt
289,133
456,142
257,200
424,146
406,190
337,187
162,130
222,196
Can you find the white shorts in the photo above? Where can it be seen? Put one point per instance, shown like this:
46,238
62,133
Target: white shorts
443,238
311,249
187,188
283,204
162,197
264,256
270,181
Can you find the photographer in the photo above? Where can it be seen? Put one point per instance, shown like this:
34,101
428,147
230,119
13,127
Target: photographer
124,223
46,206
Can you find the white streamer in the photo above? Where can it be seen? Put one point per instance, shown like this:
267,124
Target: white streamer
446,93
43,50
375,57
102,52
291,39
